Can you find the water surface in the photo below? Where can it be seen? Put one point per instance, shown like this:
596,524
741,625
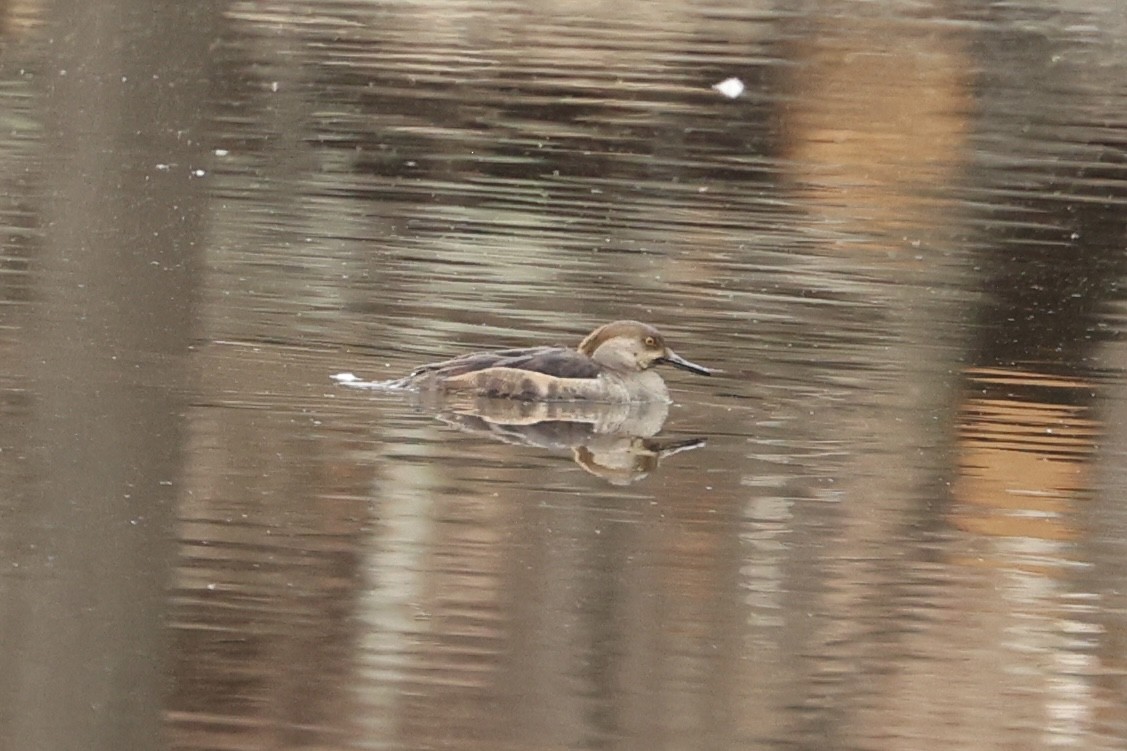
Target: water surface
893,520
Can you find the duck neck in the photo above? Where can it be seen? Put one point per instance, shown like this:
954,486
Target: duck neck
637,386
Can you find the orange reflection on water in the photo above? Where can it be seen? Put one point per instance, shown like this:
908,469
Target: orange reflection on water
879,116
1025,445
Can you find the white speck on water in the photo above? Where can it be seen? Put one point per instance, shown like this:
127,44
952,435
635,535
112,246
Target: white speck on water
164,167
222,152
274,86
730,87
198,173
344,377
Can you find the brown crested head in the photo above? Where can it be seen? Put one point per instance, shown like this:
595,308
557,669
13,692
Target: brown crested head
632,346
635,330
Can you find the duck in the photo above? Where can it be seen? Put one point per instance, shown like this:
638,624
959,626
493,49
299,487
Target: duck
613,364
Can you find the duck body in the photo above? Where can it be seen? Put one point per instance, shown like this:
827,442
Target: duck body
613,364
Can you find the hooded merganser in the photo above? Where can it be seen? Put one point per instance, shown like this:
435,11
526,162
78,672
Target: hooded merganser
612,364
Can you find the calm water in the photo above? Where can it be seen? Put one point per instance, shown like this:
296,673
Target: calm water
895,520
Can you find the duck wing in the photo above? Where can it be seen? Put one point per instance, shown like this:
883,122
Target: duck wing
554,361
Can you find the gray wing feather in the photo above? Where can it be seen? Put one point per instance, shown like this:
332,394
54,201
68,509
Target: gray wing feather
555,361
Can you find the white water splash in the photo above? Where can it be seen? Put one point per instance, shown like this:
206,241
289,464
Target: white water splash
354,381
730,87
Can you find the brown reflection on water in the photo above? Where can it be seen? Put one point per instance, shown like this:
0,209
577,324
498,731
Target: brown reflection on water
270,569
1024,463
266,587
1026,445
98,353
880,118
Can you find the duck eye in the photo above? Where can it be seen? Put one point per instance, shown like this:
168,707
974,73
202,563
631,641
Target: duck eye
650,341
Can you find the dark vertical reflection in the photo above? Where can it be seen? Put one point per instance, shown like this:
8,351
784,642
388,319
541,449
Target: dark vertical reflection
113,282
1030,434
1052,265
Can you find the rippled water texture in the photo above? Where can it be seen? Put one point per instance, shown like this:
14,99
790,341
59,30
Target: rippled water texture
893,520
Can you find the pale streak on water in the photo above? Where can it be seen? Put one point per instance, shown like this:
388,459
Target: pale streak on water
893,521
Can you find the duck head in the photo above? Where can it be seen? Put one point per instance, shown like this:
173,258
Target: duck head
632,346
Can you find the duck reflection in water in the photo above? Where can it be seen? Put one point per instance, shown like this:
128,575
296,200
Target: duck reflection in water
617,442
603,400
